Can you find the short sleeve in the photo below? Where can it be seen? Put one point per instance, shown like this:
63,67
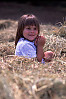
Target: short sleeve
28,50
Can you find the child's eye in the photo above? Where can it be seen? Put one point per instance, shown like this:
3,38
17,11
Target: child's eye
35,28
28,28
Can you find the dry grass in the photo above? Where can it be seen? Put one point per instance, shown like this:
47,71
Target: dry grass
21,78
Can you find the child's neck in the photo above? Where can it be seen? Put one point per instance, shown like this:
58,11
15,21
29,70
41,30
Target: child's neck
28,39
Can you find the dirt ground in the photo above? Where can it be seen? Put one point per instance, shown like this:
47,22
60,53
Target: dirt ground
45,14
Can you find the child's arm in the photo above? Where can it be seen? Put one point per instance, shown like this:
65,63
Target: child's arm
40,44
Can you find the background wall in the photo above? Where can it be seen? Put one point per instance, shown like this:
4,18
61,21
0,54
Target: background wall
41,2
47,11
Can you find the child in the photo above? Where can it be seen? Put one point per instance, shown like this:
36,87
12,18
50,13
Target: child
28,43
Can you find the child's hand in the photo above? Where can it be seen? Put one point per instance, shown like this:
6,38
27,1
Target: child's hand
48,55
36,40
41,41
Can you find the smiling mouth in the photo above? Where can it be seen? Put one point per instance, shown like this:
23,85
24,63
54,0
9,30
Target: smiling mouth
31,35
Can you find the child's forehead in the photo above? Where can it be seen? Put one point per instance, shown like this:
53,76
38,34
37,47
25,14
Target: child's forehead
27,22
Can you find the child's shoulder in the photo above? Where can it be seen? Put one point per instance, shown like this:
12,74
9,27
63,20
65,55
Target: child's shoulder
23,42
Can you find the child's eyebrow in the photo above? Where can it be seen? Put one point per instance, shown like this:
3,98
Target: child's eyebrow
31,25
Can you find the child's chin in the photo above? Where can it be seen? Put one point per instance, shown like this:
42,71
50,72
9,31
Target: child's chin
31,39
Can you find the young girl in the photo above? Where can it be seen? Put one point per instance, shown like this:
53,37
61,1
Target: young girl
28,43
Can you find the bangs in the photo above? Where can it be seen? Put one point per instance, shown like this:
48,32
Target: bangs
31,21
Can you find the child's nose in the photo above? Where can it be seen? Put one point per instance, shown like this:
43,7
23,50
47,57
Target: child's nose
32,30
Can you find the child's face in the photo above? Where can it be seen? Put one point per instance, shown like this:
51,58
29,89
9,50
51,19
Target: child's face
30,32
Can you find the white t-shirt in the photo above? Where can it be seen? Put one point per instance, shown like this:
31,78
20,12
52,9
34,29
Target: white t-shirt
26,48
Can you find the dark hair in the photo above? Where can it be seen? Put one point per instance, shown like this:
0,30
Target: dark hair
25,20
